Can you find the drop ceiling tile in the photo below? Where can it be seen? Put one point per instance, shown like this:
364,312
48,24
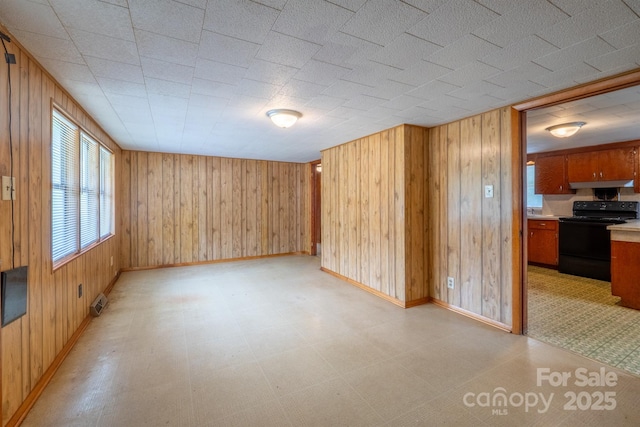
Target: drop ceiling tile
95,16
525,72
405,51
352,5
228,50
500,6
363,102
243,20
83,88
122,3
379,113
412,114
218,71
311,21
158,69
402,102
428,6
301,89
469,73
623,36
345,89
371,73
200,4
166,49
276,4
520,52
270,72
325,102
565,77
211,88
117,99
68,70
451,21
246,104
432,89
602,17
286,50
321,72
463,51
44,47
530,17
167,17
343,50
420,73
166,87
122,87
618,60
381,21
114,70
257,89
133,114
32,17
389,89
580,52
475,90
100,46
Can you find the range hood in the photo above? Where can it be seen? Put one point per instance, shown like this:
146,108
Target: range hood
602,184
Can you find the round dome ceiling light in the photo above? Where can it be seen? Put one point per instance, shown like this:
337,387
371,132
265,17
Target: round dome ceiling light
283,118
565,130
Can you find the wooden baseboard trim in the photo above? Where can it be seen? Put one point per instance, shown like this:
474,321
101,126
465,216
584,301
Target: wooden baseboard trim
35,393
377,293
215,261
472,315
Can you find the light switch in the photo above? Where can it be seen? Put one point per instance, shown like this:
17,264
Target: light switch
488,191
8,188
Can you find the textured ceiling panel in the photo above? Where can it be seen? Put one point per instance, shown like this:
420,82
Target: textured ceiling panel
198,76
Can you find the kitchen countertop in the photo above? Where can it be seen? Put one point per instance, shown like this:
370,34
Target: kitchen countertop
543,217
627,232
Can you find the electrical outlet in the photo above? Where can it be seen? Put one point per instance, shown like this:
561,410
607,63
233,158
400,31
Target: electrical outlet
8,188
80,290
450,282
488,191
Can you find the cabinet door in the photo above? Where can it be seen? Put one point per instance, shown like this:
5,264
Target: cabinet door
616,164
582,167
543,242
550,175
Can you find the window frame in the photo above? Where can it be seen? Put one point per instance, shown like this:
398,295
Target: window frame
80,135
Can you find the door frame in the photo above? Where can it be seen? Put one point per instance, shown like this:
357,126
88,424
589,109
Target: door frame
598,87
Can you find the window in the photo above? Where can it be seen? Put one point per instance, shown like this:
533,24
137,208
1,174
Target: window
533,200
82,189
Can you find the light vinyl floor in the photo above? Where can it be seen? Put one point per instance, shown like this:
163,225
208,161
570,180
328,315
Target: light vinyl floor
277,342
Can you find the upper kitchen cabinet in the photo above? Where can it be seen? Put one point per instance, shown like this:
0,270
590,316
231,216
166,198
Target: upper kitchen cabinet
616,164
551,176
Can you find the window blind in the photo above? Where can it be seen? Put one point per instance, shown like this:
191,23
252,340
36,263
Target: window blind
106,192
89,182
64,197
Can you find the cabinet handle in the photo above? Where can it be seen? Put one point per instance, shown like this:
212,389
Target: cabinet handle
600,174
561,188
594,174
542,224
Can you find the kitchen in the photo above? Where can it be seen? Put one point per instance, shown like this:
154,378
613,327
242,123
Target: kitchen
581,190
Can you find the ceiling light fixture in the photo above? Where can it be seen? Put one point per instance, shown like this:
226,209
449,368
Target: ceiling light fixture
283,118
565,130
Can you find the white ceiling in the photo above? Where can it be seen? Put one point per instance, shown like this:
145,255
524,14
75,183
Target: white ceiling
197,76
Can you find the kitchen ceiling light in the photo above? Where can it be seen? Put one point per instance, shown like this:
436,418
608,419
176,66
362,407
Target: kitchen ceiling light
283,118
566,129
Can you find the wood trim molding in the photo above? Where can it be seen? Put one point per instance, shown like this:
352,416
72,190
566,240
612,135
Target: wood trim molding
396,301
607,84
22,411
216,261
471,315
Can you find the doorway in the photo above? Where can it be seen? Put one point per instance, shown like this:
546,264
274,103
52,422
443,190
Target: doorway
316,211
545,291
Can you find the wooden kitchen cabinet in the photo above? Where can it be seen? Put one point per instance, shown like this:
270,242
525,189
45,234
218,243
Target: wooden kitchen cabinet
551,177
605,165
543,242
625,271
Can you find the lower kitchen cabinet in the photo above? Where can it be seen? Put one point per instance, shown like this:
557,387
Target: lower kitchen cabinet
625,271
543,242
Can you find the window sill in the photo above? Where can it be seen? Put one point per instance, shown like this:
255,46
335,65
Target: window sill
66,260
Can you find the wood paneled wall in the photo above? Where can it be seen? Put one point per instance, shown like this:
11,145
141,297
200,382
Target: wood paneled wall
374,195
185,209
30,344
474,239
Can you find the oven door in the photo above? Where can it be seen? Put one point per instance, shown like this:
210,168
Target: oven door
584,248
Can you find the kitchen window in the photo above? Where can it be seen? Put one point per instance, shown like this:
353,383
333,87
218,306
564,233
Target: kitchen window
533,200
82,173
